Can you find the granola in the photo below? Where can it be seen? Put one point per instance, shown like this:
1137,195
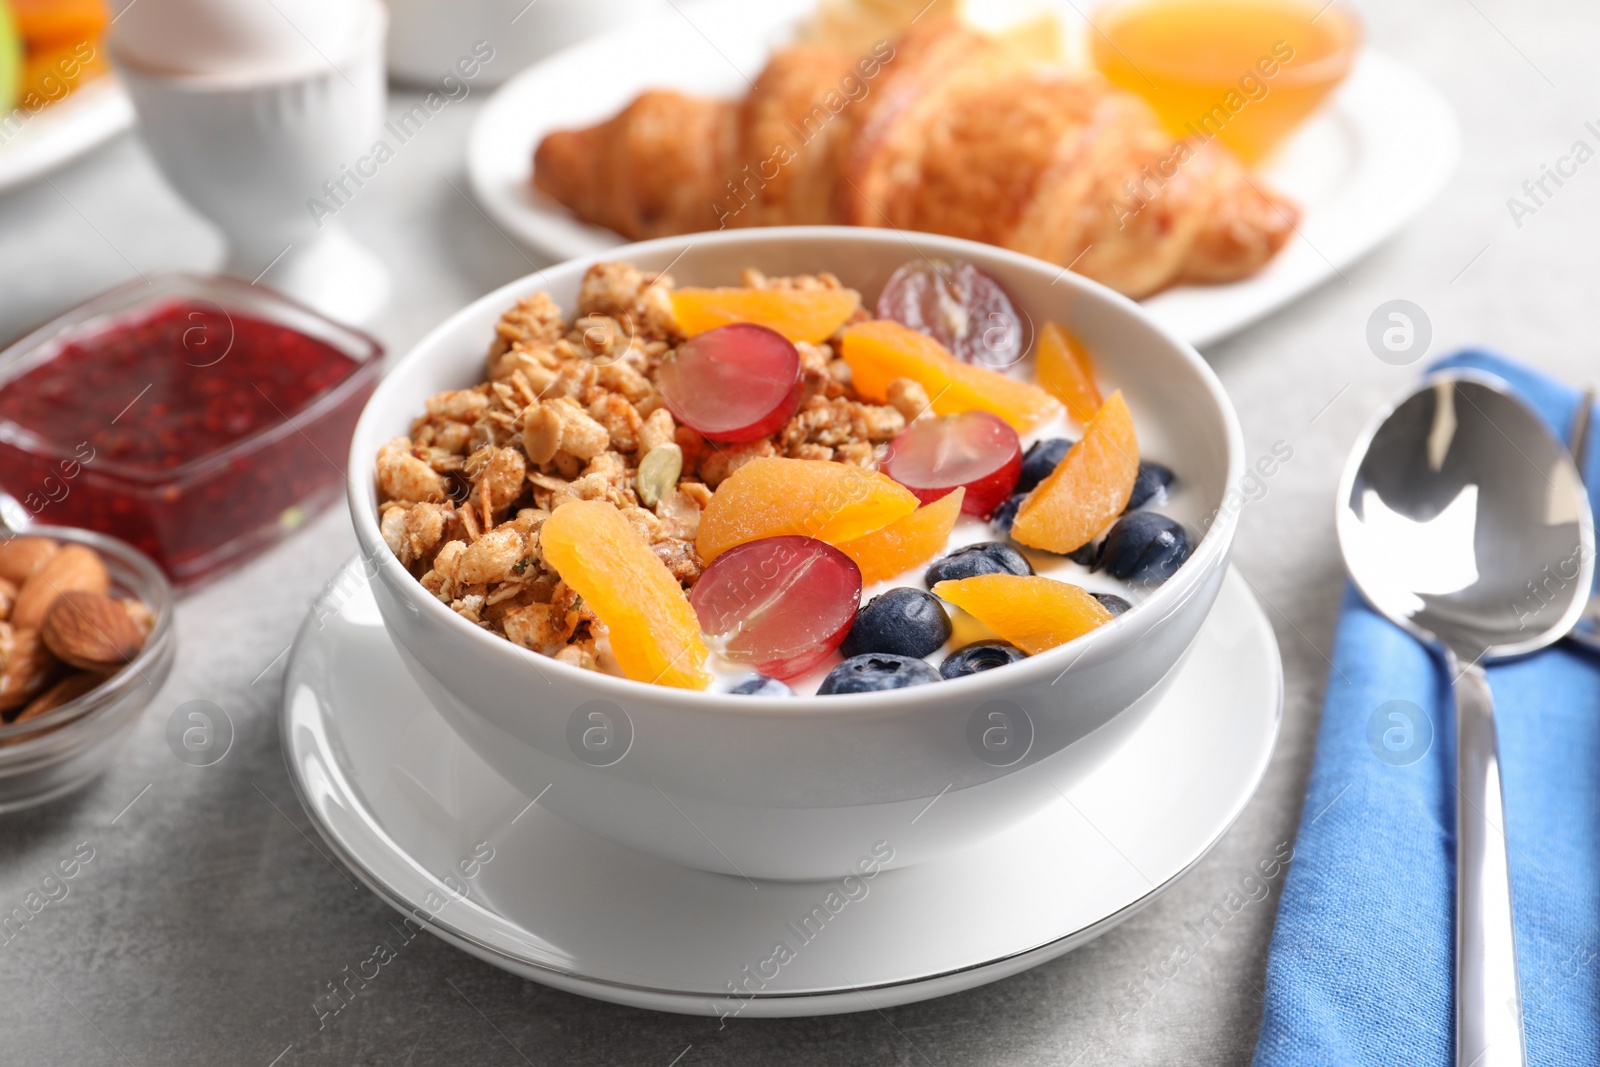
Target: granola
569,410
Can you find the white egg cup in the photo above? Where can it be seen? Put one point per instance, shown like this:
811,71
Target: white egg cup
267,158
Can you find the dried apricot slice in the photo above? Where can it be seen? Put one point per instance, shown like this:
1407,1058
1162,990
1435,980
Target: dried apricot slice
1066,370
812,315
1032,612
880,351
1088,489
770,497
655,634
908,542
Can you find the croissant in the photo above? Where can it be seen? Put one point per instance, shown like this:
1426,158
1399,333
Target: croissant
945,131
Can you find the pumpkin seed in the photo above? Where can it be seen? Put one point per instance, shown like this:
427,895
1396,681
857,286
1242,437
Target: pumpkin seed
658,473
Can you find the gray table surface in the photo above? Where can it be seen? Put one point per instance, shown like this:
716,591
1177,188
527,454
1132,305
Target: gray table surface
208,920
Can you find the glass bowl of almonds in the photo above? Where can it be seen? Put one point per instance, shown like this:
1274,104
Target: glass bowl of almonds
86,640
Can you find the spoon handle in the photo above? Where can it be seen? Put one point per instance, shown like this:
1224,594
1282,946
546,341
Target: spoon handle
1587,631
1578,435
1488,992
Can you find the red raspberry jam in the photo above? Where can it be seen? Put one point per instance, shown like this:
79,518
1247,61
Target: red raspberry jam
199,426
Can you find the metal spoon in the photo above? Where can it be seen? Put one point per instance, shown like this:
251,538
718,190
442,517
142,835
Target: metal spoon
1462,519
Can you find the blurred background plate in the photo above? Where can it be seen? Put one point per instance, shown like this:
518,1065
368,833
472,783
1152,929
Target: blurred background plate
1362,166
63,131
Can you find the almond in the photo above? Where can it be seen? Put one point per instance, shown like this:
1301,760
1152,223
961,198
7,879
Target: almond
21,556
69,688
29,669
73,568
91,631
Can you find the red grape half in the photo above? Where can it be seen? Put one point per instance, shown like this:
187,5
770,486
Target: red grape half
974,449
735,383
959,306
778,604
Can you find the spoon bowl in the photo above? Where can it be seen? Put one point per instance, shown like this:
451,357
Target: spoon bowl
1463,520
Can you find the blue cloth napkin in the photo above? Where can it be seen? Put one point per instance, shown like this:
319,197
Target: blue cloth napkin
1361,969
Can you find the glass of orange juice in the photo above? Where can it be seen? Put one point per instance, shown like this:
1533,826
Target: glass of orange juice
1245,72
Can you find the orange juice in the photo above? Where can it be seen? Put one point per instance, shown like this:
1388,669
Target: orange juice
1245,72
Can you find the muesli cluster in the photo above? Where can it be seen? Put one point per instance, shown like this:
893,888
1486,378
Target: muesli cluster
570,410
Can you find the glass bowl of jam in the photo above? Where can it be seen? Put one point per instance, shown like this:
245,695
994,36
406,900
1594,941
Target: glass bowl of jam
200,419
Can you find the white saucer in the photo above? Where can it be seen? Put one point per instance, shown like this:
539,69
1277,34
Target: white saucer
1360,168
425,823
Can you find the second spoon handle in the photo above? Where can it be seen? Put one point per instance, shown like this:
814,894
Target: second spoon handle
1488,992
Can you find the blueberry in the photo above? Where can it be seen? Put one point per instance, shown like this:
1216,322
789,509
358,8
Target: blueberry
979,656
901,622
875,671
1143,547
1042,457
1006,514
986,557
1112,602
1086,554
759,685
1151,486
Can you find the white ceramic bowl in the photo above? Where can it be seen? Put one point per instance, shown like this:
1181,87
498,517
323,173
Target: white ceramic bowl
810,787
